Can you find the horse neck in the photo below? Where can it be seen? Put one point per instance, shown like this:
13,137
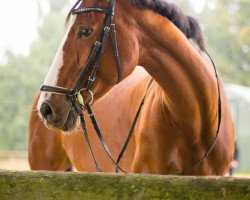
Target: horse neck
188,82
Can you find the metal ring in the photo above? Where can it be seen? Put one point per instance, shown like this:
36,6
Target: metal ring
91,95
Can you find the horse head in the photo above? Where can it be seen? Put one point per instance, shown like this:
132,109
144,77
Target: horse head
89,50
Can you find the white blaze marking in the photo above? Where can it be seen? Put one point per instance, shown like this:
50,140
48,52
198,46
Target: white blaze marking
52,76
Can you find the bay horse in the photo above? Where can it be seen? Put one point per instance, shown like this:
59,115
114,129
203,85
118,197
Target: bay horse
180,121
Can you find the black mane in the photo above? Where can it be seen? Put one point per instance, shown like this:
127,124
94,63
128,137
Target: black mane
188,25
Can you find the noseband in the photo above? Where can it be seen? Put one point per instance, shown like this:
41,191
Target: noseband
91,67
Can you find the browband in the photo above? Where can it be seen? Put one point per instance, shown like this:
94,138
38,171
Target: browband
106,11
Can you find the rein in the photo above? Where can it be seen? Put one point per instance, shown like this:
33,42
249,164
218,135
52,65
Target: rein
91,67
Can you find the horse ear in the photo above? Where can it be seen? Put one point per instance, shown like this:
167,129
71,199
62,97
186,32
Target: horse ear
195,32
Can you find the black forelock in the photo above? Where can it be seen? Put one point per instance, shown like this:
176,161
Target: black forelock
187,24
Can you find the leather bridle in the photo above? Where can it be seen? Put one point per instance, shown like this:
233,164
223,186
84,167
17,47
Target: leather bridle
93,62
91,67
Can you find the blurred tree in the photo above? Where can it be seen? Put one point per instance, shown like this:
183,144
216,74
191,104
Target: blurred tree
227,28
22,76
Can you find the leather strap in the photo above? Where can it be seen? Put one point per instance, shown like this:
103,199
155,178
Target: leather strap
116,51
85,132
99,134
87,65
133,126
106,11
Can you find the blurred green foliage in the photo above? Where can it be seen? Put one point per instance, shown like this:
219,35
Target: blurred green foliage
226,26
21,78
227,29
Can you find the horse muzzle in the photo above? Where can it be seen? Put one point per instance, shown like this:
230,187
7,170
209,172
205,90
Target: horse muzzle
58,113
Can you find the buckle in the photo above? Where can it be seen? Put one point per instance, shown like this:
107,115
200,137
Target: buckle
79,97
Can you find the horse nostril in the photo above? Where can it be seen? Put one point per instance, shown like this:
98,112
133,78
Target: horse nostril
46,111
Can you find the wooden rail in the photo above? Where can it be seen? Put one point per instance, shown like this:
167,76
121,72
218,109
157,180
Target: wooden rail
81,186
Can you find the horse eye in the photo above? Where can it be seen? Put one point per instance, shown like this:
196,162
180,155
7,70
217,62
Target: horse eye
85,32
